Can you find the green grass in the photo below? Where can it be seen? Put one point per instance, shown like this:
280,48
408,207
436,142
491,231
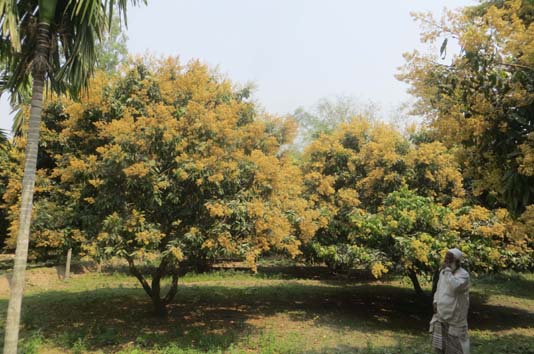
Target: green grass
279,310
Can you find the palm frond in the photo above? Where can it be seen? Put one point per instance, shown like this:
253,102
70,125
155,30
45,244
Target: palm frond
10,23
17,102
121,6
77,27
4,139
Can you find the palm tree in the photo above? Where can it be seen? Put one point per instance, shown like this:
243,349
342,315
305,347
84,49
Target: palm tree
44,44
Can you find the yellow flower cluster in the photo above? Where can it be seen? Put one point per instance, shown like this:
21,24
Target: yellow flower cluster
138,169
378,269
217,210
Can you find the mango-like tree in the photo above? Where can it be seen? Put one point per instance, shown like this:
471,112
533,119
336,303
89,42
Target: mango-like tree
413,233
481,101
354,169
170,167
44,43
387,202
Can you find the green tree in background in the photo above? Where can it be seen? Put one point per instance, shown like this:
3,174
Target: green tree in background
112,49
328,113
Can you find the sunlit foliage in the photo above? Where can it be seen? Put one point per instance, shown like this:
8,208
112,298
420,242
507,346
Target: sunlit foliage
388,202
483,101
168,164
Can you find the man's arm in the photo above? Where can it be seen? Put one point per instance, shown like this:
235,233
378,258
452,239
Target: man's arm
456,283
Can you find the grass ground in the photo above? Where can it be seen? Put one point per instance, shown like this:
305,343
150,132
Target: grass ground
276,311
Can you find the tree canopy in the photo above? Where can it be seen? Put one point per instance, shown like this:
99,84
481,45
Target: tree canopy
482,103
169,164
390,203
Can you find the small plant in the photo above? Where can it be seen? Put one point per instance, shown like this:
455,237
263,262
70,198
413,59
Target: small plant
79,346
32,343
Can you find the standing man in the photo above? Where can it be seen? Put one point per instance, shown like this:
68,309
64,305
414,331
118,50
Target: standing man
451,304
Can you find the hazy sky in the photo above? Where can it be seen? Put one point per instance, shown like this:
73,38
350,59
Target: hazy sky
295,51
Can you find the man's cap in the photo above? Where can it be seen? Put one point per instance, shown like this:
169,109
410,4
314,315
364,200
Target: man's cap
457,254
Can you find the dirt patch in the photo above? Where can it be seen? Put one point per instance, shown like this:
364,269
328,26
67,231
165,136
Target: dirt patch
40,277
43,277
7,257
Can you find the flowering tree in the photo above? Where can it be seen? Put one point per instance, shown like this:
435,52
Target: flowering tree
171,165
354,168
386,202
482,103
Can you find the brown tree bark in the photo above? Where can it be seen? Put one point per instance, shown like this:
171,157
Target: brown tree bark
153,290
417,287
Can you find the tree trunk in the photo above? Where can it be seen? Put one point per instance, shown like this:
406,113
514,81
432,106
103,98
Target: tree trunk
159,303
67,265
99,266
154,289
435,279
28,183
416,285
160,307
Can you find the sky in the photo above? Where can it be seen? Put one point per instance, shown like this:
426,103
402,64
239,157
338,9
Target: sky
294,51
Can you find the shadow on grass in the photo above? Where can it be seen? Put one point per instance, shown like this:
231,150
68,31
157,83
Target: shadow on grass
508,284
507,344
291,272
208,317
321,273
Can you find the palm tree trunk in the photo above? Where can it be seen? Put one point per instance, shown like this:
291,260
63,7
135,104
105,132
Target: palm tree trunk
28,183
67,265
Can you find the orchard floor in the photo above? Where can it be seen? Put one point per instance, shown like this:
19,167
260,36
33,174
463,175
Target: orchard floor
278,310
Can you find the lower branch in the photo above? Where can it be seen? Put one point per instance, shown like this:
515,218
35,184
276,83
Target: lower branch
154,290
413,277
139,276
173,289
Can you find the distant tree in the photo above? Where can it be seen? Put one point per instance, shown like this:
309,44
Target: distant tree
356,167
112,49
327,114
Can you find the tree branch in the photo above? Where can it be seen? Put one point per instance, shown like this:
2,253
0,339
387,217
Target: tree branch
157,275
139,276
173,289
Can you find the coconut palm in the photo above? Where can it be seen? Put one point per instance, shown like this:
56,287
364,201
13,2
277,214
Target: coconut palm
46,45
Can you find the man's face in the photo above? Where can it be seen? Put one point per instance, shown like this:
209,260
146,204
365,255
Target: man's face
449,259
